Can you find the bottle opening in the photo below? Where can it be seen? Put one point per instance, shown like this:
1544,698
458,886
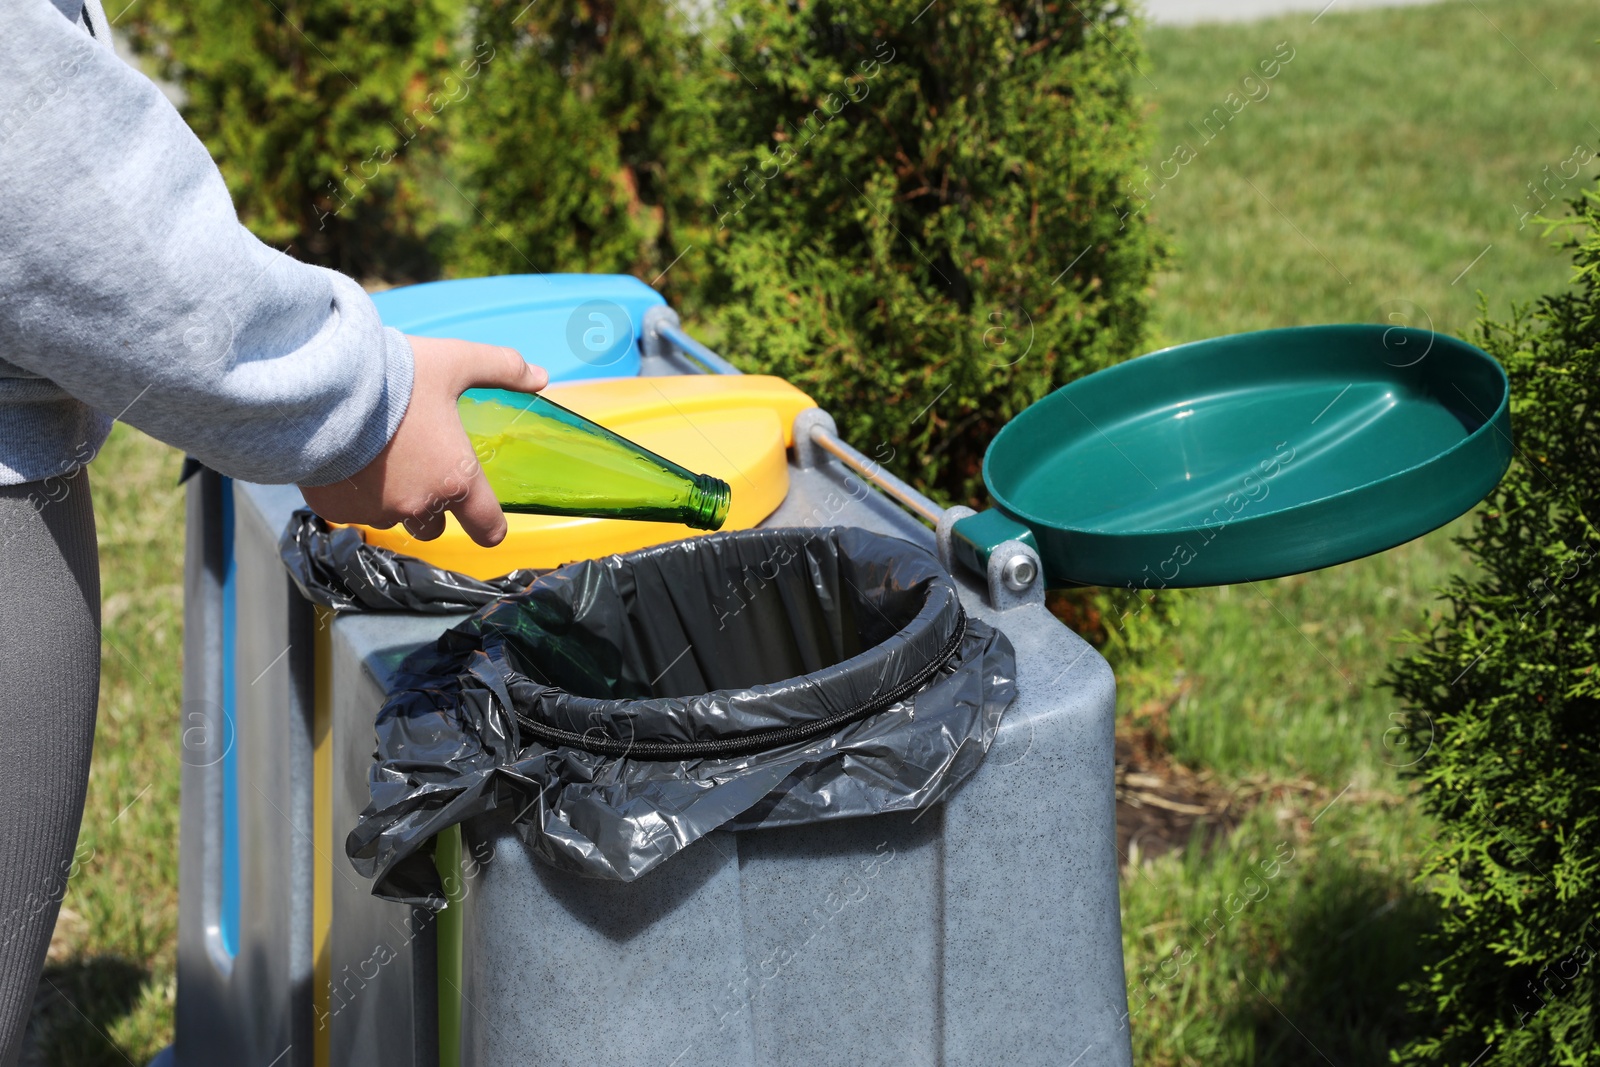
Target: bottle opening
708,502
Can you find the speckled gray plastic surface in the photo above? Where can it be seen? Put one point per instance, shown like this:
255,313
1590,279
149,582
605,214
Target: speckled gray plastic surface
984,930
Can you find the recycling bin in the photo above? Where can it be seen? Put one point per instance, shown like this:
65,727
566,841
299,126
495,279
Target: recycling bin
982,928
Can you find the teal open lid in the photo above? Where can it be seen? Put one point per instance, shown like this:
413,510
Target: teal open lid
1247,457
575,326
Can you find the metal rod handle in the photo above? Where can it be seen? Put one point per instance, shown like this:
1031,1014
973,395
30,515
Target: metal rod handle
672,330
902,493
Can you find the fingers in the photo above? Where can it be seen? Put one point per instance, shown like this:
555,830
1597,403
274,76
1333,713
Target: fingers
490,367
427,526
480,514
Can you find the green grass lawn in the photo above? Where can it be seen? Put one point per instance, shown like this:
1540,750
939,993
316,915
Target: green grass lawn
1385,156
1391,150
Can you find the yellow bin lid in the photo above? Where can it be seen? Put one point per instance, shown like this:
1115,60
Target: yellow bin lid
734,426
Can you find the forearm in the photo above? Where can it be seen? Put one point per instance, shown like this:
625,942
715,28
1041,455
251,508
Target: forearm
128,281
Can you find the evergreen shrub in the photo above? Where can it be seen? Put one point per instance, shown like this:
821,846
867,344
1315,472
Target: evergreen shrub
1505,702
325,116
583,148
923,212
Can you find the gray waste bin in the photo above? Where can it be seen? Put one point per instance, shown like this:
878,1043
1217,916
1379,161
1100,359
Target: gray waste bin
982,930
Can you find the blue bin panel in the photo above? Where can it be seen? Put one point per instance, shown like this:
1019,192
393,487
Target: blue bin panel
575,326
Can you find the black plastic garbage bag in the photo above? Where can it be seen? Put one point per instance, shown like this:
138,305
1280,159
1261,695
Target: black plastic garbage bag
623,708
338,569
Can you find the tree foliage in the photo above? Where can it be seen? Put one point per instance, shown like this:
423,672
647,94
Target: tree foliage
923,213
583,147
1503,697
324,115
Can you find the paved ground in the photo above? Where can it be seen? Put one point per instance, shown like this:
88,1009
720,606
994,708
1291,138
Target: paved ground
1187,12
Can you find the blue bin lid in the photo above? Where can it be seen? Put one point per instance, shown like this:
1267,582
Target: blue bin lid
575,326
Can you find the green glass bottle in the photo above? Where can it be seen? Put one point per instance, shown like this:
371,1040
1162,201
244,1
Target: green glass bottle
542,459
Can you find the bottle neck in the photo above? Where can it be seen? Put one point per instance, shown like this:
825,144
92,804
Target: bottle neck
708,502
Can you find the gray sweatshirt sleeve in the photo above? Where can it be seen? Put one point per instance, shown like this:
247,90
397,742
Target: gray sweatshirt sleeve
127,280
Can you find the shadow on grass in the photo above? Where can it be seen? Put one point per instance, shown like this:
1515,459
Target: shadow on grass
78,1005
1333,991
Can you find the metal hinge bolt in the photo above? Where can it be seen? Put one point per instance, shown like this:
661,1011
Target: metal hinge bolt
1019,573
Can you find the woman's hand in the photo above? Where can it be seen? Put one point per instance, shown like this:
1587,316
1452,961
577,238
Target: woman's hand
428,467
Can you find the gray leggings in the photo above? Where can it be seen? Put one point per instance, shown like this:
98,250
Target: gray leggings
49,686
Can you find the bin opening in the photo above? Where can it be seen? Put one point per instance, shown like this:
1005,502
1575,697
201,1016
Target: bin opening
795,616
625,707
